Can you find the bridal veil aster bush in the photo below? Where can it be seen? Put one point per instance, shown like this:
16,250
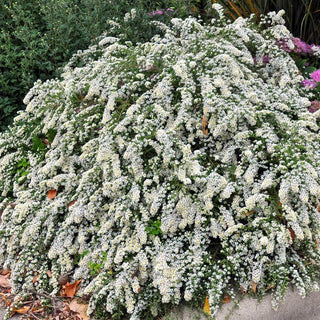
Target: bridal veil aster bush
181,167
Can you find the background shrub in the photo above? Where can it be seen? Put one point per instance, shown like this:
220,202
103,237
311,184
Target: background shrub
37,37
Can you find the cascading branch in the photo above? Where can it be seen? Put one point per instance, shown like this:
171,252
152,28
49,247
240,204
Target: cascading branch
166,171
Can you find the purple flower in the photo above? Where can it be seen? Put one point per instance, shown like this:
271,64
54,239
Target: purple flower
315,76
265,59
283,45
301,47
309,84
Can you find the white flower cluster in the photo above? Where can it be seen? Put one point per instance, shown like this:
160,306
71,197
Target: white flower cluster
178,165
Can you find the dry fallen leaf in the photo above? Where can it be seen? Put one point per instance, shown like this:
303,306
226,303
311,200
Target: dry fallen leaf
52,194
21,310
226,299
35,279
79,308
206,307
319,208
293,235
205,126
49,273
71,203
253,287
5,272
4,282
243,291
271,286
70,289
248,213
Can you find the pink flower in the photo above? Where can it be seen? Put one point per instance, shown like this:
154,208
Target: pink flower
309,84
265,59
160,12
315,76
301,46
315,106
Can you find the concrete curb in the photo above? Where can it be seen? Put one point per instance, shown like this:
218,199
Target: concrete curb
293,308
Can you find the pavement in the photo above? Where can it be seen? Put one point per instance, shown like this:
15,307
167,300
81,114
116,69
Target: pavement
294,308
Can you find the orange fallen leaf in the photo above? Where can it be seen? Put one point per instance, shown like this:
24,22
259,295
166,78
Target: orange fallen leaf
271,286
226,299
253,287
205,126
22,310
35,279
80,309
52,194
49,273
319,208
70,289
243,291
206,307
5,272
248,213
4,282
71,203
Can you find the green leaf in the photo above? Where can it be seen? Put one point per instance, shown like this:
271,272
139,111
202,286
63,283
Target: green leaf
37,144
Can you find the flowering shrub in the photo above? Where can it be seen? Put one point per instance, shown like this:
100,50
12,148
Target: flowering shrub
166,171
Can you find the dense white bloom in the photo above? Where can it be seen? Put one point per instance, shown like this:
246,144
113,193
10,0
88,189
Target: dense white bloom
175,166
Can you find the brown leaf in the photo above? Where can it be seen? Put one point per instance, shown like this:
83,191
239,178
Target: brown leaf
35,279
248,213
52,194
319,208
206,307
49,273
4,282
80,309
71,203
5,272
226,299
253,287
70,289
34,310
293,235
46,142
243,291
22,310
271,286
205,126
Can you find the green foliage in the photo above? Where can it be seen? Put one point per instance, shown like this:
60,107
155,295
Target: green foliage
22,170
154,227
